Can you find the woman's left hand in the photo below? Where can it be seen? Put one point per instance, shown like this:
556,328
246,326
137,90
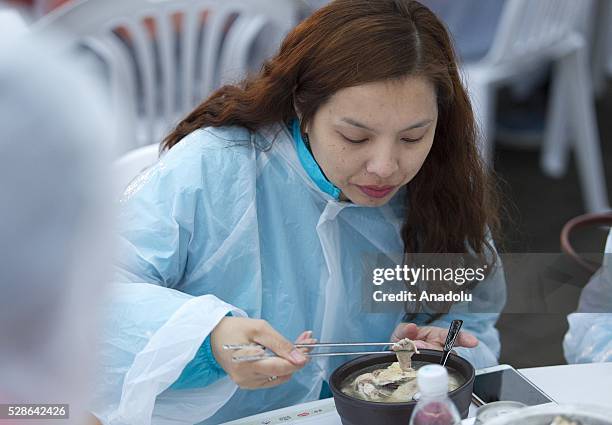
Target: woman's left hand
431,337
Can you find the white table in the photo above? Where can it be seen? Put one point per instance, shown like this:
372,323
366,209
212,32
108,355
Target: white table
588,384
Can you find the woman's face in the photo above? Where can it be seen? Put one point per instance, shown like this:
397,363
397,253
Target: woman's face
372,139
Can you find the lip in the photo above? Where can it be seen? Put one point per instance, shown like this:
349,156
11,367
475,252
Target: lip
376,191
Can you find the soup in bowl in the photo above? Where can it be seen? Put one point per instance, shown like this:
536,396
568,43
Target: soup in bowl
373,389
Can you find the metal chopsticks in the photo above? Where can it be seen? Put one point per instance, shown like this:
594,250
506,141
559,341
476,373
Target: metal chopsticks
239,359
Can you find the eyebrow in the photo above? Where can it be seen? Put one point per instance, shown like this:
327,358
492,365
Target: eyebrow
365,127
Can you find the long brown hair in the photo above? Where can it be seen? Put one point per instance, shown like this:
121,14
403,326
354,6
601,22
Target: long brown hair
452,200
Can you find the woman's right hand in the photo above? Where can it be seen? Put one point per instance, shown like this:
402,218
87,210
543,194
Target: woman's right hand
263,373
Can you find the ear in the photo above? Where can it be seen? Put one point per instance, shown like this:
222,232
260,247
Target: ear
297,110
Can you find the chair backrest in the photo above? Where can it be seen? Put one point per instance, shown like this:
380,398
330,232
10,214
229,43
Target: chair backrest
164,56
529,27
130,165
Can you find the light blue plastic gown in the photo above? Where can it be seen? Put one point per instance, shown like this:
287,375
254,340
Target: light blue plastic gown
589,338
218,226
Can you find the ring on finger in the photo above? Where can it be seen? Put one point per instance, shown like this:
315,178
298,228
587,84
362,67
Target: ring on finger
272,378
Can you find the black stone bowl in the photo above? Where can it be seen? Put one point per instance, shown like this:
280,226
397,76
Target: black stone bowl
354,411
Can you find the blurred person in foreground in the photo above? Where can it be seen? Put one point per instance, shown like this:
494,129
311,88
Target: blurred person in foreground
53,223
589,338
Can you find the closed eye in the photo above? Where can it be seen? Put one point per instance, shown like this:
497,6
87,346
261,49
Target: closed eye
353,140
408,140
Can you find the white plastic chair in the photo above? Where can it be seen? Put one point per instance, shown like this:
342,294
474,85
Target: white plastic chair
130,165
531,33
601,41
165,56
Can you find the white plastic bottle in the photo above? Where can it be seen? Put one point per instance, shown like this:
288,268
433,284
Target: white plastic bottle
434,407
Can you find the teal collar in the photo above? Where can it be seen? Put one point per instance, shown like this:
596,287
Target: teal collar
310,164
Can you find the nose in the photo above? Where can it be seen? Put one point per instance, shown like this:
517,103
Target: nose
383,162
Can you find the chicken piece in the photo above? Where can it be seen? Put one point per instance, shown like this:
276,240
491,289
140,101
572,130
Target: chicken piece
404,350
364,385
392,375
